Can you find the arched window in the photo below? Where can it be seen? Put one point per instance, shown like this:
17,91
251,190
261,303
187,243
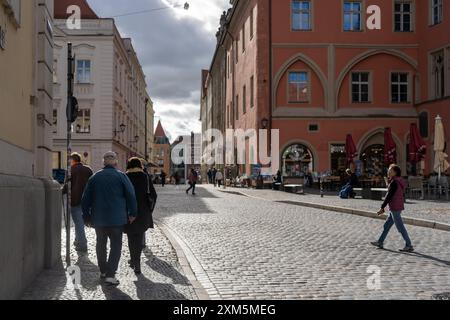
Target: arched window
423,124
297,161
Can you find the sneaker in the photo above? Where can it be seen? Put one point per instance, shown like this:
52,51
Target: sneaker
377,244
112,281
103,276
407,249
131,264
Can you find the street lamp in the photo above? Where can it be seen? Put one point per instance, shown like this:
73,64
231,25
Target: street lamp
121,129
265,123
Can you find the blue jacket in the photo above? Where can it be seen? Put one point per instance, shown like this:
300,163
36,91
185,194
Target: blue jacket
109,199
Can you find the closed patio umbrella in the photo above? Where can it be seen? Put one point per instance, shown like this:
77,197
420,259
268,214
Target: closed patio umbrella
440,163
390,148
417,147
350,149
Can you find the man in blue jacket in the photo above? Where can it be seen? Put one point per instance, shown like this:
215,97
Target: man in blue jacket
108,204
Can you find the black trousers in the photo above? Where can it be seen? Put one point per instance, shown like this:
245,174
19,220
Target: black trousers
109,265
135,245
192,187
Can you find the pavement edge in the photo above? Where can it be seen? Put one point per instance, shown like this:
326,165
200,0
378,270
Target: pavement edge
190,265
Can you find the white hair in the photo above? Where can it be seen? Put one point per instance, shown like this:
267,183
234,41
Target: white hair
110,162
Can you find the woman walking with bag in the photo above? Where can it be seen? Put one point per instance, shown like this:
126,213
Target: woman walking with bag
146,199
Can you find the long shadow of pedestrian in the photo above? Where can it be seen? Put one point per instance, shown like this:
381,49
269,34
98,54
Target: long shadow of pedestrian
148,290
421,255
114,293
89,272
166,269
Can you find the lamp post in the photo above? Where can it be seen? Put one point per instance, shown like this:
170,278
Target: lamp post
122,128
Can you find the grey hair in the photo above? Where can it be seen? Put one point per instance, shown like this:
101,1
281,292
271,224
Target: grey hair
110,162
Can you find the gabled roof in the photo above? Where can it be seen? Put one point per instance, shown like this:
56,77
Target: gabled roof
60,9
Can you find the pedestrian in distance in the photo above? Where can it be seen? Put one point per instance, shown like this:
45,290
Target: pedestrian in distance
347,190
80,175
163,178
214,173
209,174
219,178
277,181
146,200
193,177
109,203
395,199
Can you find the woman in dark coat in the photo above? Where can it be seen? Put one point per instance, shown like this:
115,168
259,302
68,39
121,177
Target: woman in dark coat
146,199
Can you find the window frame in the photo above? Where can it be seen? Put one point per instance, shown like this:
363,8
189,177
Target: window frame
252,22
83,117
252,92
361,12
369,83
244,99
81,80
431,8
412,16
302,11
399,83
308,86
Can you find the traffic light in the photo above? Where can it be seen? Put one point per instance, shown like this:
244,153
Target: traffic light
72,110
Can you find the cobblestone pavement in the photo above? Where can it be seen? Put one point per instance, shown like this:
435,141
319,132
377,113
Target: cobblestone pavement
245,248
162,277
438,211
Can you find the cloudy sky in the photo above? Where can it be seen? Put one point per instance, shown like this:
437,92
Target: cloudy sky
173,46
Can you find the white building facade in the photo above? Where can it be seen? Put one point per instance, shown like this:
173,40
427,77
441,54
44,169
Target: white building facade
112,95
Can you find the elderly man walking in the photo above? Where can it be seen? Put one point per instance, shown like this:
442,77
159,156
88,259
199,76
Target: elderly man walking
109,203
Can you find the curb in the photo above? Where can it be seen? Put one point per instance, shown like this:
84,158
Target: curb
362,213
203,287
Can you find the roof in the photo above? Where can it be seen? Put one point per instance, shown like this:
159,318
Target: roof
60,9
160,133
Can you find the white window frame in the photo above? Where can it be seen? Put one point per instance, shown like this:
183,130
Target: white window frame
82,117
352,12
399,84
299,84
301,12
361,83
436,4
81,76
402,14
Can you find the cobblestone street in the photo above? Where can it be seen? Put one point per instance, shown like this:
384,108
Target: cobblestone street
162,276
245,248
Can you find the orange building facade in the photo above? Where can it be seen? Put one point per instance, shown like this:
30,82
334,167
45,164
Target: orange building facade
317,71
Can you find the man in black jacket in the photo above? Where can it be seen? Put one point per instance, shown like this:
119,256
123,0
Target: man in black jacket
80,176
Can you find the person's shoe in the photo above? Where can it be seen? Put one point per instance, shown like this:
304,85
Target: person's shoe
131,264
137,270
112,281
377,244
407,249
103,276
187,192
194,194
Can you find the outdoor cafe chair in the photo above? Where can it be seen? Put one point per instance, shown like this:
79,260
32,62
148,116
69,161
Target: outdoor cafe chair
415,187
432,186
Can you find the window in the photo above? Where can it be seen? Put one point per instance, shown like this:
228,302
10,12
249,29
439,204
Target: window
298,87
423,124
83,122
14,8
251,24
352,16
338,159
55,71
252,92
236,52
228,66
244,100
403,16
438,75
243,38
360,87
55,121
313,127
301,15
84,71
436,11
399,88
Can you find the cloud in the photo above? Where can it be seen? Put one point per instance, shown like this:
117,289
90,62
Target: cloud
173,46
